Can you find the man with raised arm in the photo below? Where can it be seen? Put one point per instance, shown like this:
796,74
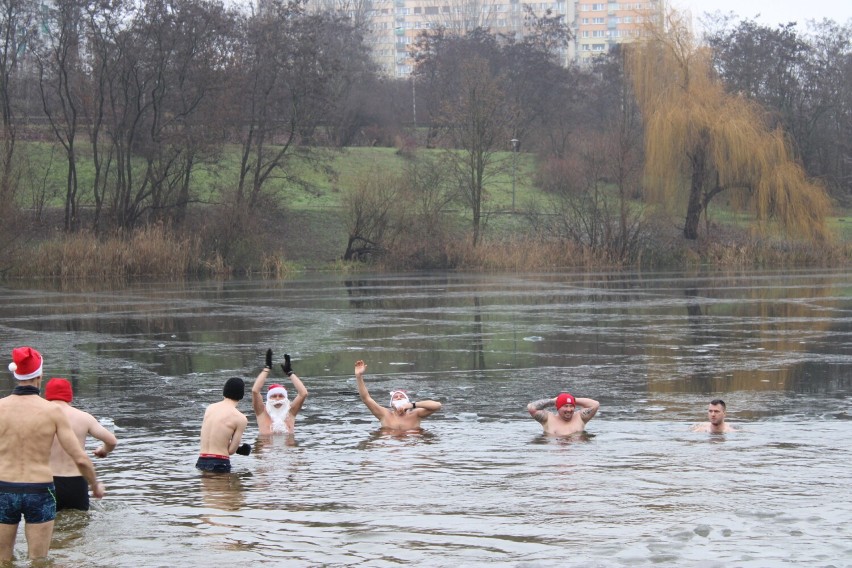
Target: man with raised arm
222,430
566,420
28,425
716,412
278,415
71,489
404,414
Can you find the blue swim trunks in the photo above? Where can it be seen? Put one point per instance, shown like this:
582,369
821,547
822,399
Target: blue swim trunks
36,502
214,463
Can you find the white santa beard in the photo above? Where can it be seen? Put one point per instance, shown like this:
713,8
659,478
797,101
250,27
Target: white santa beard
278,416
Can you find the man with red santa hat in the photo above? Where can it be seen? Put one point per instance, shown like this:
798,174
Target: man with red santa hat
28,425
278,414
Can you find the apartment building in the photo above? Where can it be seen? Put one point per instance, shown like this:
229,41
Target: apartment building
395,24
599,25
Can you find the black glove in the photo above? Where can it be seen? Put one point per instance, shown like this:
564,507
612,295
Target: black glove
244,450
285,366
269,359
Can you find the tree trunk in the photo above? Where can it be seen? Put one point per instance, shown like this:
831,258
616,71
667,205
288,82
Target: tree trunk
696,184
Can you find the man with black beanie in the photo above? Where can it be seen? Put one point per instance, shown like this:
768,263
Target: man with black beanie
222,430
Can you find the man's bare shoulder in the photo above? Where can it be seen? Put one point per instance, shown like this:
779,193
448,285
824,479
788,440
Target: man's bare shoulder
708,427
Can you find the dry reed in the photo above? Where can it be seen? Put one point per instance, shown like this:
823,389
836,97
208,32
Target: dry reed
148,252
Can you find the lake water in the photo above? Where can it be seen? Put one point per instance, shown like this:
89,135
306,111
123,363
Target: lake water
480,485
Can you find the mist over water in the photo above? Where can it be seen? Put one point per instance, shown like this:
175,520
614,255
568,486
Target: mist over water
480,484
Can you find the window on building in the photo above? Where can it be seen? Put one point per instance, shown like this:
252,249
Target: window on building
598,47
431,10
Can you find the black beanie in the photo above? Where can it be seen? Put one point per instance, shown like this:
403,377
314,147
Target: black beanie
235,388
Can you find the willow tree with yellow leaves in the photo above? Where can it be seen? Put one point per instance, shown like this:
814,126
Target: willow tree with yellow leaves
701,141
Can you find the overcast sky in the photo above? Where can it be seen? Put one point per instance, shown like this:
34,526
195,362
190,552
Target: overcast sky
773,11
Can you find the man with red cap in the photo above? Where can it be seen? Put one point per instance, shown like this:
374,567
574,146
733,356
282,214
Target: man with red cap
28,426
278,414
565,421
403,414
71,489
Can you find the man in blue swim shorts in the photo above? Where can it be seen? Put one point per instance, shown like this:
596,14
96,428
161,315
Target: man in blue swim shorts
222,430
29,424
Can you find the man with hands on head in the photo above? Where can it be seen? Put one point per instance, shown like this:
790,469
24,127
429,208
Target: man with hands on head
278,414
566,420
404,414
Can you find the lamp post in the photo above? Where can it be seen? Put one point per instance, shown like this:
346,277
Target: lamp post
515,147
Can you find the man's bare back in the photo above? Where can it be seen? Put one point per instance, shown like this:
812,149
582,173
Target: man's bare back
83,424
28,425
222,428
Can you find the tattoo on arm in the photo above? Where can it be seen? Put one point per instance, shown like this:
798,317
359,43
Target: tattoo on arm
542,404
541,416
587,412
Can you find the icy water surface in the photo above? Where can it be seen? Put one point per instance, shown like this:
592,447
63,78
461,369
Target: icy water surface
480,485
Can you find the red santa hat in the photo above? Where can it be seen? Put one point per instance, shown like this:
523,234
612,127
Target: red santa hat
58,389
26,363
276,389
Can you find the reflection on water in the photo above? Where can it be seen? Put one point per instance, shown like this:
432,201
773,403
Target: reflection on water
480,483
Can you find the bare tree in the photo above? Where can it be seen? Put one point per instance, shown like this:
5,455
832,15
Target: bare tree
470,110
17,29
62,86
290,74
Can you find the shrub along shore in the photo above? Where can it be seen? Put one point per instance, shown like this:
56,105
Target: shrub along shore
298,229
281,244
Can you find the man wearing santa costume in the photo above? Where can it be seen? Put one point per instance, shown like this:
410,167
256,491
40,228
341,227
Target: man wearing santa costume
278,414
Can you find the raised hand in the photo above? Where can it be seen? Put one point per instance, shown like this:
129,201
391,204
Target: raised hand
268,359
285,366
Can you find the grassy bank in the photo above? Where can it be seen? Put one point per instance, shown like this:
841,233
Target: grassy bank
303,227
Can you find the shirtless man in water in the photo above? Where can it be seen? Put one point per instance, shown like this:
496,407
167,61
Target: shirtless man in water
404,413
28,425
71,489
278,415
566,421
716,412
222,430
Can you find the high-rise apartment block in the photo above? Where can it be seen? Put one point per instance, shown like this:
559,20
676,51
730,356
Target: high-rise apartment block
395,24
